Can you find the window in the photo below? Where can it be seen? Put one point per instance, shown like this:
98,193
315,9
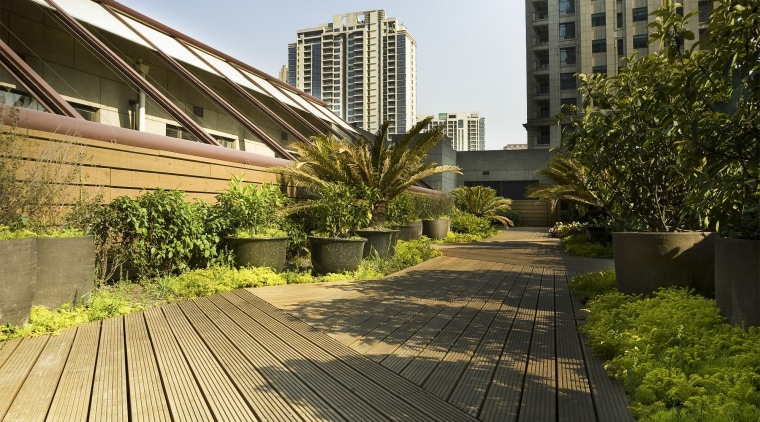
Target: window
619,20
598,19
87,112
640,41
568,101
567,56
567,81
566,7
598,46
544,137
599,69
567,30
620,47
640,14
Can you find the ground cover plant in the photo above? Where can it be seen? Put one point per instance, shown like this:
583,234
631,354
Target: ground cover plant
676,356
125,297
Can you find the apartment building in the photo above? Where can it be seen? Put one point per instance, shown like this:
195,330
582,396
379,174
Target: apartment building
567,37
467,131
363,65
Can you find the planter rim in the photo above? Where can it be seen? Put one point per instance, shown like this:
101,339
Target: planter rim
339,239
257,238
383,230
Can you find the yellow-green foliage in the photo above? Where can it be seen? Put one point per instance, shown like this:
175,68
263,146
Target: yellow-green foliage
578,245
206,282
590,285
677,357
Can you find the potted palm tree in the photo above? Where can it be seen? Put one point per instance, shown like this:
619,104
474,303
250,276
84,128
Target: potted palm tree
389,168
338,213
251,220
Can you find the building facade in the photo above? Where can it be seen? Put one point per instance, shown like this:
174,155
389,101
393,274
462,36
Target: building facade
467,131
363,65
566,37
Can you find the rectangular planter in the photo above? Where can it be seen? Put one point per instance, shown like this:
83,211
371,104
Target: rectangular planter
65,270
737,280
18,279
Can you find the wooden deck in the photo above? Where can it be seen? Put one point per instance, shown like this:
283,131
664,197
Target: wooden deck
486,332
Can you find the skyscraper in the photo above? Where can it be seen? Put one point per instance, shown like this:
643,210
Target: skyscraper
363,65
467,131
566,37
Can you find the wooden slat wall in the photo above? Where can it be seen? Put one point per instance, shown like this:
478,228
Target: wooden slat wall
117,170
534,213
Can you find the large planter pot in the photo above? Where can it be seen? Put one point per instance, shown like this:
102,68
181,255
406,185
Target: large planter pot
381,242
18,279
260,251
436,229
411,231
646,261
65,270
333,255
737,280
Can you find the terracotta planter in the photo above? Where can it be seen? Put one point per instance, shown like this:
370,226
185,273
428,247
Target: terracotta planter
65,270
18,279
382,242
260,252
737,280
333,255
436,229
411,231
646,261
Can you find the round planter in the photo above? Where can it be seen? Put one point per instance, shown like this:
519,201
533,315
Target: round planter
260,251
436,229
65,270
411,231
18,279
333,255
381,242
646,261
737,280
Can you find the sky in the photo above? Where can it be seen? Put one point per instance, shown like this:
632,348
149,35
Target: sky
470,54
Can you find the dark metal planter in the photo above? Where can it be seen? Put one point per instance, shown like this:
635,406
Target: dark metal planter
382,242
737,280
65,270
436,229
260,251
333,255
646,261
411,231
18,279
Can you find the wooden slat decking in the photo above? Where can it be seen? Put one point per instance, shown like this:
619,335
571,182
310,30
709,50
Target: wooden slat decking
486,332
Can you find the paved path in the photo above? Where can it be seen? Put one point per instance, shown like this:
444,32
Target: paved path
486,332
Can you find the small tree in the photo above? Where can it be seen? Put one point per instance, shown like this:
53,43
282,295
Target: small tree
482,201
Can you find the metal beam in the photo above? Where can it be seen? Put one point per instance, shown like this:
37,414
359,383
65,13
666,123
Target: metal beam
124,69
37,87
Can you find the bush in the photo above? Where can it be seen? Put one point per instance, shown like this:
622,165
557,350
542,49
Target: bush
676,356
561,229
590,285
578,245
466,223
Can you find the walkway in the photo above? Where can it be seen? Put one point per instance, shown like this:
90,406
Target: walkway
486,332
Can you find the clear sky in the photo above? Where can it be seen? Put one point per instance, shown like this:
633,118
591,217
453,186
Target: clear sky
470,54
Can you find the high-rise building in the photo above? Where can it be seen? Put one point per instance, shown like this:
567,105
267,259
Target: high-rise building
363,65
566,37
467,131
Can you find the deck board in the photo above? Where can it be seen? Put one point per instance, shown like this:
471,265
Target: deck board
486,332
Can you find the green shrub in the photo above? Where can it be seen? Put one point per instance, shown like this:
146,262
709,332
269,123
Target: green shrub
466,223
578,245
402,210
590,285
676,356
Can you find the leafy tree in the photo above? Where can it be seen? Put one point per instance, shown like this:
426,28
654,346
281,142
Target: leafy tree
390,168
482,201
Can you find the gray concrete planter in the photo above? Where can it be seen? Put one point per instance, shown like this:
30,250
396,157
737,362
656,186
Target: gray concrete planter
737,280
333,255
436,229
65,270
381,242
411,231
646,261
18,279
260,251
